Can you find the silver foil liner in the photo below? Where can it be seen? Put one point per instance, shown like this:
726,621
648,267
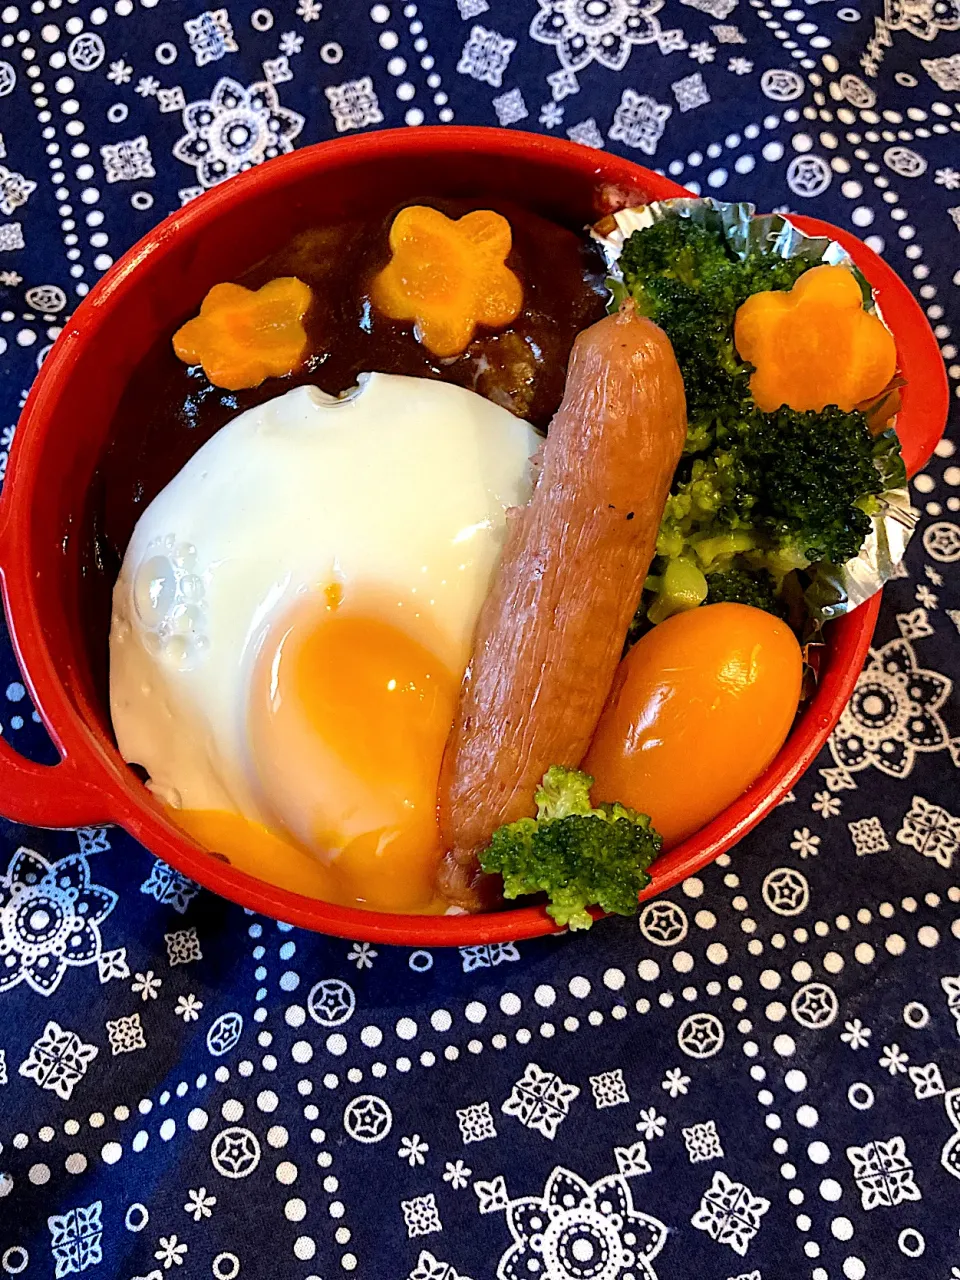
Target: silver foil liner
834,589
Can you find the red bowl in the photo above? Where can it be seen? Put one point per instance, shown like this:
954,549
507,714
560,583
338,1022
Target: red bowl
44,521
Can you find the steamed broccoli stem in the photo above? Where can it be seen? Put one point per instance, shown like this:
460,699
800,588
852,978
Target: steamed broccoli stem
578,854
680,586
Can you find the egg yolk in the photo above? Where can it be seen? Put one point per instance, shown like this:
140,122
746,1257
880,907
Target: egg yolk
698,710
348,720
252,848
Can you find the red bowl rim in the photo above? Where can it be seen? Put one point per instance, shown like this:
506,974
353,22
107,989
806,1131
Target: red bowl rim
93,786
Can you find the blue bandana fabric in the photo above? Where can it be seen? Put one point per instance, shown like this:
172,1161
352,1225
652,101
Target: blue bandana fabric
761,1079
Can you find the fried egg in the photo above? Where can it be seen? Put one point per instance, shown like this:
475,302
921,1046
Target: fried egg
291,624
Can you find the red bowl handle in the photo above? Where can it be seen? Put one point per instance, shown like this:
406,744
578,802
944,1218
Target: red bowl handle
44,795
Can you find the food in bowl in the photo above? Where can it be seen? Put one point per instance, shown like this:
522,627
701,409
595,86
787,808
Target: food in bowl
370,624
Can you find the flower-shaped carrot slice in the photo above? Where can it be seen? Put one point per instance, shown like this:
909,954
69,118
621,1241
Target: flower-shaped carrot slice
814,345
242,336
448,275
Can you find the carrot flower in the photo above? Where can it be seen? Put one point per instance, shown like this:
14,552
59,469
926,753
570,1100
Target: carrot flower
448,275
243,336
814,345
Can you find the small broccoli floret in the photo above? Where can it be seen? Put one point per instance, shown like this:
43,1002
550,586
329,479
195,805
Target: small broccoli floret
580,855
815,479
712,498
563,792
744,586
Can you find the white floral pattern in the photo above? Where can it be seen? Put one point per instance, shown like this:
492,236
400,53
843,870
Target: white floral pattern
675,1082
199,1204
183,946
354,104
576,1230
893,714
690,92
76,1239
486,56
868,836
413,1150
128,161
609,1089
235,129
632,1160
421,1215
883,1173
931,830
430,1267
457,1174
855,1034
15,190
927,1081
126,1034
211,36
188,1007
58,1060
603,31
587,133
113,964
11,236
487,955
951,989
540,1100
950,1155
650,1123
491,1195
476,1122
730,1213
50,917
702,1142
169,887
362,954
510,108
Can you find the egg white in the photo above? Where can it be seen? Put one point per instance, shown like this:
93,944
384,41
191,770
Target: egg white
397,491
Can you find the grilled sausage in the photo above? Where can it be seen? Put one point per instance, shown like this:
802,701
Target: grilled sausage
552,629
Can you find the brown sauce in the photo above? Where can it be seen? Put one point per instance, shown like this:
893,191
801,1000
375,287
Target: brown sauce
169,410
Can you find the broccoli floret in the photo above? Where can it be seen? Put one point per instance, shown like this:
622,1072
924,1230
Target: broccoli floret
794,487
712,500
743,586
815,479
579,854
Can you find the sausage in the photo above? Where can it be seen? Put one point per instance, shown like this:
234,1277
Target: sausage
552,629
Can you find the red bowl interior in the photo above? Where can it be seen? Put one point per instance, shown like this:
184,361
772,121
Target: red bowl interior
44,517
